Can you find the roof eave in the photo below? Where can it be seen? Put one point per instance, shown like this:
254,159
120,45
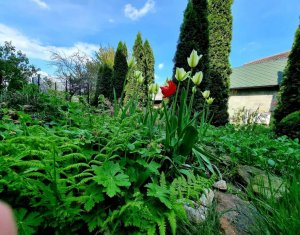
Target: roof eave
254,87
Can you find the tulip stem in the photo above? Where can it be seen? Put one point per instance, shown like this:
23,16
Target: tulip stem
191,103
175,103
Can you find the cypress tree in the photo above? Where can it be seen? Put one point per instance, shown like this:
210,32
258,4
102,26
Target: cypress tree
104,83
220,35
194,35
148,65
289,95
132,88
138,52
120,68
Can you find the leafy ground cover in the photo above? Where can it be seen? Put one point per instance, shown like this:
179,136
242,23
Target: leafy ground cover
96,172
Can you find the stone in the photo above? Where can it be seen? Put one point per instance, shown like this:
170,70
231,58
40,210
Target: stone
207,198
221,185
238,217
196,215
268,185
27,108
227,227
246,173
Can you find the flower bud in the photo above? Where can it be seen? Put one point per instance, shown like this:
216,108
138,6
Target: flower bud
197,78
206,94
131,62
140,79
194,58
194,89
153,88
139,76
210,100
181,74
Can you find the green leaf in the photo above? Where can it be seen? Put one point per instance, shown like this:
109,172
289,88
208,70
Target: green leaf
111,176
190,138
27,222
152,166
160,192
95,195
131,147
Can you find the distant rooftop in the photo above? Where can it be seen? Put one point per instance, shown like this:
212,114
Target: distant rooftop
279,56
264,72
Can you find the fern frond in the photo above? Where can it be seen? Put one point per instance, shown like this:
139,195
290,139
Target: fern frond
31,163
71,156
82,175
162,226
76,166
70,148
172,221
151,230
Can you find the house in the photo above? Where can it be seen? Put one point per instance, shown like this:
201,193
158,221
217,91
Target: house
254,86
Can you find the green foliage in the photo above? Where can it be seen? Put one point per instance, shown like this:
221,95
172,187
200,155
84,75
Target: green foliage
220,35
88,173
144,58
120,69
15,69
104,83
27,222
111,176
43,105
194,35
255,147
290,125
148,66
288,100
279,215
183,131
138,51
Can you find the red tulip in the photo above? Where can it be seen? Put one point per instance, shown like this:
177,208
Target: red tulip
168,90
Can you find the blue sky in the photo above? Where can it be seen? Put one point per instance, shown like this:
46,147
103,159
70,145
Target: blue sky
260,27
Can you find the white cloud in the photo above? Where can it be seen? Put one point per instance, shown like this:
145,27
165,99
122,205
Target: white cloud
35,49
111,20
133,13
160,66
43,73
41,4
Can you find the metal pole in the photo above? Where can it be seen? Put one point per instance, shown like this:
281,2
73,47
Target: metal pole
88,93
39,78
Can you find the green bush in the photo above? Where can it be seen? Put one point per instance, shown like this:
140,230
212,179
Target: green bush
288,100
43,105
290,126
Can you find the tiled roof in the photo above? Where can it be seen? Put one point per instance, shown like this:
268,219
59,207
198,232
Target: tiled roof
271,58
260,73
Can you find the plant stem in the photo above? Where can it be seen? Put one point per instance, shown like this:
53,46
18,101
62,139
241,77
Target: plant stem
175,103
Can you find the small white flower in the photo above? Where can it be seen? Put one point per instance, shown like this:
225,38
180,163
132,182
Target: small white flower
206,94
194,58
197,78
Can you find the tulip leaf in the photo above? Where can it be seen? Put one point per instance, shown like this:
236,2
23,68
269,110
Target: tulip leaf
189,139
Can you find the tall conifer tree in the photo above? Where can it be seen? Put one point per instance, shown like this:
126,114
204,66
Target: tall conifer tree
120,68
104,83
220,35
148,65
138,51
194,35
289,95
